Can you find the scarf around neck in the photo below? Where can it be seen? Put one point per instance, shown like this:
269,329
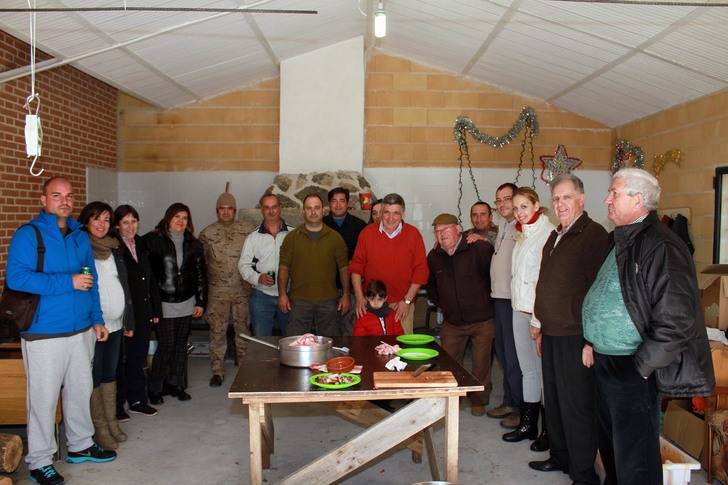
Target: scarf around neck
534,218
379,312
102,246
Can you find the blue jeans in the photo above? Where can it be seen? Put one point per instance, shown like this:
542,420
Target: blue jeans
264,314
505,350
106,359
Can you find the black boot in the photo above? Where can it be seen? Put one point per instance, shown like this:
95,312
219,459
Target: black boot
528,428
542,442
180,394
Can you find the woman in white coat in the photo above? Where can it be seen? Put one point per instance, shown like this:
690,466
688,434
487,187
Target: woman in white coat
533,229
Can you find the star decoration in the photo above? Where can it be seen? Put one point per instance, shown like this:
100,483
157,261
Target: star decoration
558,164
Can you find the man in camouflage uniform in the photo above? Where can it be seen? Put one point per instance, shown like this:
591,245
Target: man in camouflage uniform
223,242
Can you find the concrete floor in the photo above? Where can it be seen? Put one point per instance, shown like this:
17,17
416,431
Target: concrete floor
205,441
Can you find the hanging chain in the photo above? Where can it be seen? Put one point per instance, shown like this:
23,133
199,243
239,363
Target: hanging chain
527,140
465,155
520,157
533,160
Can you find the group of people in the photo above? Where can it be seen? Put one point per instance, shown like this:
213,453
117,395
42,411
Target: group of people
588,326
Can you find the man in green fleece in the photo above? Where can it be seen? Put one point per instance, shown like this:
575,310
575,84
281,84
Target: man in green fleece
311,256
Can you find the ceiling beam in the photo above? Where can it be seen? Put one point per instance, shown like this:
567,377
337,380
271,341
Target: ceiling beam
62,62
98,32
495,32
262,40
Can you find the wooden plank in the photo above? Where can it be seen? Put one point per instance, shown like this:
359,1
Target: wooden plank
255,411
332,396
268,436
371,443
431,454
366,414
268,429
383,380
451,439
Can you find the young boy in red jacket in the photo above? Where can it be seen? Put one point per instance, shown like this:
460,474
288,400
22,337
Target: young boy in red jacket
379,318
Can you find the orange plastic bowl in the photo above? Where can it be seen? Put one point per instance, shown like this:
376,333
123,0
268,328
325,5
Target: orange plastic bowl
338,365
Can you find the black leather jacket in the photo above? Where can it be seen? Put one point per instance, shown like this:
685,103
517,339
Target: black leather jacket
660,291
178,284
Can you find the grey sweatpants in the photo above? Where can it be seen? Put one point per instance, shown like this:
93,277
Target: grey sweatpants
528,359
50,364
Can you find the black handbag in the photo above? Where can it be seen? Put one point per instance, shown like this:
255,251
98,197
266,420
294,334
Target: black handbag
17,308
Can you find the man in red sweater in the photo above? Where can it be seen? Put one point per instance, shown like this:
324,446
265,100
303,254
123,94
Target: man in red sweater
394,252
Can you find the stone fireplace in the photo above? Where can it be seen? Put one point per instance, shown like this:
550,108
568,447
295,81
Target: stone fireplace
291,189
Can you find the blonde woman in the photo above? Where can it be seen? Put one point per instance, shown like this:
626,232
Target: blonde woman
533,229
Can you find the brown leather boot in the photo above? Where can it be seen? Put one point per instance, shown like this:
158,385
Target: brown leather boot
108,392
102,435
512,420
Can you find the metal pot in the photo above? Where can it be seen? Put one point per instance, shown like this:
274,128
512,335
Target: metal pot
304,355
299,356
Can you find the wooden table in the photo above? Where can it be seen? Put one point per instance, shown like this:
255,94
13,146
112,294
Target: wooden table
262,381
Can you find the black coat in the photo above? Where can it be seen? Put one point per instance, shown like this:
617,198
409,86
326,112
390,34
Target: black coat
142,283
178,284
349,230
660,291
460,284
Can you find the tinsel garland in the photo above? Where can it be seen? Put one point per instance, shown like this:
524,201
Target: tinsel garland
463,124
625,151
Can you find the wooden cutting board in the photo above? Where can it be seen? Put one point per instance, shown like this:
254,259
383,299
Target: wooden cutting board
393,380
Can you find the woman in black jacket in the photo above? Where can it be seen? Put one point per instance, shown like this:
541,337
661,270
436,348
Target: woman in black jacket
132,382
178,264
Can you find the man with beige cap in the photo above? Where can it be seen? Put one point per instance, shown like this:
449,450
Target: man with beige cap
228,292
460,286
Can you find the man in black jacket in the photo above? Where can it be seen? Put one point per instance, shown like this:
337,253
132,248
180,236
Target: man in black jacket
643,317
460,285
348,227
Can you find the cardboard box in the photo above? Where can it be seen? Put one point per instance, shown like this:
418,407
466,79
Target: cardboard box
684,428
676,465
719,355
713,282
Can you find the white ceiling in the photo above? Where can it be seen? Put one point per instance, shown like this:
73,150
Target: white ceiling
612,63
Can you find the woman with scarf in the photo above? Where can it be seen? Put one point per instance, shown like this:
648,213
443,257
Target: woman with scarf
96,219
533,229
177,260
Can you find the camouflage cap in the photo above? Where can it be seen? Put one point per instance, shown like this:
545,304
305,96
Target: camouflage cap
226,199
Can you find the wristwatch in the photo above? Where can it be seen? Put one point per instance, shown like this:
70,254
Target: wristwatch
407,301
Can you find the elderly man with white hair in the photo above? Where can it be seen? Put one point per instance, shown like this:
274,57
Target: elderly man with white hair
643,317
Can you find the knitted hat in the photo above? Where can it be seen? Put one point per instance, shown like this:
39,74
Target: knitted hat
226,199
445,218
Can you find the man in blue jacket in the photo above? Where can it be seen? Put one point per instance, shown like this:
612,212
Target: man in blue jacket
58,345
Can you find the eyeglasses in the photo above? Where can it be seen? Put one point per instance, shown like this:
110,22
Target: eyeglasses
503,200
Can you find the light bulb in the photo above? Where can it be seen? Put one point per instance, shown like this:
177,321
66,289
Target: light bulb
380,22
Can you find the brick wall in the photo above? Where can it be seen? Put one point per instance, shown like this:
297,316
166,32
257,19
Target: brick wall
699,129
411,109
78,115
234,131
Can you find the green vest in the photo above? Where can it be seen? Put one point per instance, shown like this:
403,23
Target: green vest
607,324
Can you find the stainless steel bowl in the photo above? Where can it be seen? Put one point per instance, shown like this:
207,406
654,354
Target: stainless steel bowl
304,355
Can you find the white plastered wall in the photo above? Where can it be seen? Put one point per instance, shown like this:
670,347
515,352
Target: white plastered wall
322,109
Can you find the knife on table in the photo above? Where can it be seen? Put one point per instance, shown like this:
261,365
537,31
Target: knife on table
421,369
